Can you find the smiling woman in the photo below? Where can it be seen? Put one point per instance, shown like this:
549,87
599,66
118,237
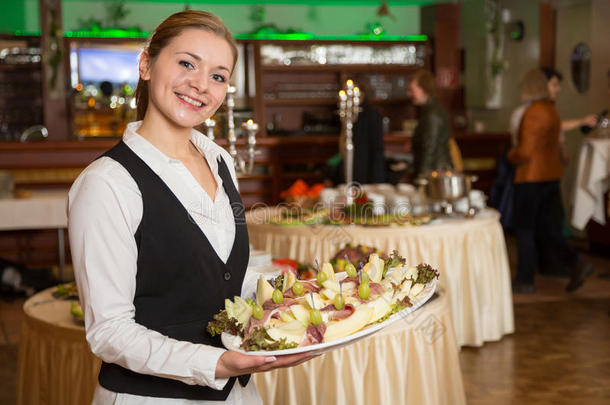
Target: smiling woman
152,227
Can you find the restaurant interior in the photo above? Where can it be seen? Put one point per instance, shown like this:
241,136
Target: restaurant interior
307,72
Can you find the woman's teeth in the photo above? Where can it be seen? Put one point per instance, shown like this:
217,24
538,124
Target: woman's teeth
190,100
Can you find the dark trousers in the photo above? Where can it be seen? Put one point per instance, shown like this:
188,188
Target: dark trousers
537,221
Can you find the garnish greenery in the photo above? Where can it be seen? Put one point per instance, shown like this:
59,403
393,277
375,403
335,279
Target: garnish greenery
278,282
425,273
396,307
260,340
394,261
223,323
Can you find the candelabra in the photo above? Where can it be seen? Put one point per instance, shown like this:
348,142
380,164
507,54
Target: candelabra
349,107
242,166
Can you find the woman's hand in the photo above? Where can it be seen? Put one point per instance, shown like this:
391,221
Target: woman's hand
589,120
232,363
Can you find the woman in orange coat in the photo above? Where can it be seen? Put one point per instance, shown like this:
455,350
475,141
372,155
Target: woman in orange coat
538,208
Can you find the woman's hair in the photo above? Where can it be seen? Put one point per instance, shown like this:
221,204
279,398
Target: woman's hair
534,86
170,28
426,81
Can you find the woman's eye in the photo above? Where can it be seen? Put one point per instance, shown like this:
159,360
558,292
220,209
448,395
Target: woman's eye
219,78
186,64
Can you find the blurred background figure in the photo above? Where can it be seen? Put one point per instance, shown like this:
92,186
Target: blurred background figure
554,79
538,210
430,142
369,158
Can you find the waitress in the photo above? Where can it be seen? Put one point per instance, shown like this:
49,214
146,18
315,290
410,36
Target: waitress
156,245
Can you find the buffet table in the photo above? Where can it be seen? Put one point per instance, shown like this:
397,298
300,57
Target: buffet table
592,182
469,253
44,210
414,360
55,365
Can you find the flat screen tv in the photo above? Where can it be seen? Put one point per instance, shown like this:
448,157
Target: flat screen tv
96,64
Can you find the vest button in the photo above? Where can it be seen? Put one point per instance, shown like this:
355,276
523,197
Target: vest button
227,276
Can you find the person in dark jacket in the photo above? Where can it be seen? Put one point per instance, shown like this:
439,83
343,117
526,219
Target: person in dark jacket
430,142
369,159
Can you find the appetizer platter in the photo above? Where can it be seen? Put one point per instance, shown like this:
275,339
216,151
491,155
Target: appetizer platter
286,315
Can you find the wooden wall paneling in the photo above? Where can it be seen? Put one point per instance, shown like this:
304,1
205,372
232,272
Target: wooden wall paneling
55,109
548,24
259,94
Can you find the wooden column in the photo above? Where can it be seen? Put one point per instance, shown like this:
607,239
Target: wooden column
548,23
55,116
442,23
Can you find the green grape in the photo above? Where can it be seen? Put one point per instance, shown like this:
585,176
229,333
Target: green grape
339,301
364,277
364,291
321,277
277,297
298,289
350,269
315,317
257,312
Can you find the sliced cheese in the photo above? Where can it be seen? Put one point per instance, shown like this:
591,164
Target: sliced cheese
416,289
327,269
381,306
264,290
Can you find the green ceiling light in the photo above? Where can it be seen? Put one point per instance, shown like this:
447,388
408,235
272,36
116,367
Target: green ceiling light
107,33
303,36
26,33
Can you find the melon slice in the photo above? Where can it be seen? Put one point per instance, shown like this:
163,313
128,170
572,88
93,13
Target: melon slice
300,313
292,331
356,321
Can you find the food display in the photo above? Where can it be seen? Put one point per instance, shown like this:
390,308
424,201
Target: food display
320,206
287,313
66,291
69,291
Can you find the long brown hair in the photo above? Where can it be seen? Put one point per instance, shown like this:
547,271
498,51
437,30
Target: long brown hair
170,28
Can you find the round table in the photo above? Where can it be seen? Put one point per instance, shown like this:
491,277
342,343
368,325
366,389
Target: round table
469,253
55,365
413,361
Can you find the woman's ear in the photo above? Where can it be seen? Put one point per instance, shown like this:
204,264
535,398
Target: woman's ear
144,66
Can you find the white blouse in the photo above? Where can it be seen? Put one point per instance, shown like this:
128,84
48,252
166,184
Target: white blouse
105,209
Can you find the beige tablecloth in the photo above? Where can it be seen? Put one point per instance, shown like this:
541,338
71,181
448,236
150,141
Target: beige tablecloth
44,210
470,254
414,361
592,182
55,365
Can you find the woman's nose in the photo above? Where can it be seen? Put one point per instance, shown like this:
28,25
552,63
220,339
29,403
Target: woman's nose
199,82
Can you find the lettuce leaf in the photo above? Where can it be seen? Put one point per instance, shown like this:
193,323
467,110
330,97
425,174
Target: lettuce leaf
224,323
425,273
260,340
394,260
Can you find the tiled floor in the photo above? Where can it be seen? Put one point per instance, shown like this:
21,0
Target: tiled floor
559,353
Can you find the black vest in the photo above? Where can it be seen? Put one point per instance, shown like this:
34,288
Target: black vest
181,282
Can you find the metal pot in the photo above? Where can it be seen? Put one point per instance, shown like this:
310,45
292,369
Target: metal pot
446,185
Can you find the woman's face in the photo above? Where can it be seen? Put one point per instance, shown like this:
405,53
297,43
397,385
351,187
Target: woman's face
554,87
188,79
417,94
